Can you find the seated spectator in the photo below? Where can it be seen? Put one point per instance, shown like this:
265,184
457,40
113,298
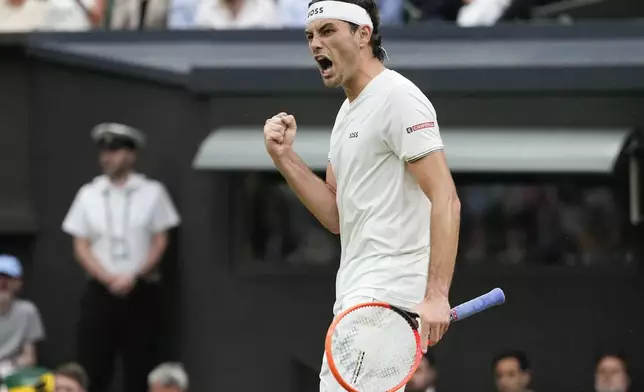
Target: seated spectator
49,15
611,373
20,324
21,15
71,377
138,14
511,372
71,15
424,379
233,14
293,12
168,377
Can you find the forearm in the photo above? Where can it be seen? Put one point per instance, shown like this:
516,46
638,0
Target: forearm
445,223
313,192
26,357
158,247
88,261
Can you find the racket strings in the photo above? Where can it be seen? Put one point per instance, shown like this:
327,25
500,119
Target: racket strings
374,349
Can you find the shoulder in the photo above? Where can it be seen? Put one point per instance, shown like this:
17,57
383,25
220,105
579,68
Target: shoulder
92,187
399,87
152,186
25,307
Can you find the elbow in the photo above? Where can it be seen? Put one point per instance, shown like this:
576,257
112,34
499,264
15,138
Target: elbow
333,225
447,204
455,204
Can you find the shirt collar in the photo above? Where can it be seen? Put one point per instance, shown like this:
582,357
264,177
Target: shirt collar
134,182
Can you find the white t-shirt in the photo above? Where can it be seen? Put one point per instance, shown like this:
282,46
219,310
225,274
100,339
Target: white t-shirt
384,214
26,17
214,14
120,221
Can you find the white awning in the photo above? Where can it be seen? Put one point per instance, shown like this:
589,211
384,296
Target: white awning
472,150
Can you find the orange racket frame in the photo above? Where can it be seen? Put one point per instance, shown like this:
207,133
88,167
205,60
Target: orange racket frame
329,338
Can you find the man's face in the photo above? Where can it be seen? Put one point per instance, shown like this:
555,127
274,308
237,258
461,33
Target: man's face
161,388
610,376
423,378
116,162
335,49
66,384
509,377
8,288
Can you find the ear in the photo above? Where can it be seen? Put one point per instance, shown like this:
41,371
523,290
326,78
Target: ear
365,35
526,378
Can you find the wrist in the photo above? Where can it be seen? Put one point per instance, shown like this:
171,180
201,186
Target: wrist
283,155
436,293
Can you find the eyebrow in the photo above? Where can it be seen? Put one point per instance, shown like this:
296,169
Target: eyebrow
324,26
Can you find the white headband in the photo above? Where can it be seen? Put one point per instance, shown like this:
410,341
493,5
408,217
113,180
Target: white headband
338,10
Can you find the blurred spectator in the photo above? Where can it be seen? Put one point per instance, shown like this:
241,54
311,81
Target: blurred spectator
21,15
120,224
20,324
293,12
182,14
224,14
71,15
137,14
49,15
424,379
611,373
435,10
71,377
512,372
168,377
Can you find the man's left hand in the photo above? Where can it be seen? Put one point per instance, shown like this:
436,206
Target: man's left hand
123,284
434,314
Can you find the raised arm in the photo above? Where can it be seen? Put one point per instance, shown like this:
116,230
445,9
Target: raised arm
316,194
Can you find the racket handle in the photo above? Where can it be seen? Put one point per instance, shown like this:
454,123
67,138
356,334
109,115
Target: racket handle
478,304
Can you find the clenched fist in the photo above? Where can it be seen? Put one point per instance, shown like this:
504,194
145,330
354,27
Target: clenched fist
279,134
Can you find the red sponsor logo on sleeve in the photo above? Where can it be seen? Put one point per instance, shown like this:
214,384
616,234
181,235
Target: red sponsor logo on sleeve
418,127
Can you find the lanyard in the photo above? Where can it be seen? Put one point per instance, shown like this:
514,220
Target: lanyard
119,246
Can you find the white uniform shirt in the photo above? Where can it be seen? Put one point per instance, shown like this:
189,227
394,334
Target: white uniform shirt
384,214
214,14
120,221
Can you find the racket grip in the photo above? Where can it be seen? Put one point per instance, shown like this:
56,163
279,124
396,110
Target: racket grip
478,304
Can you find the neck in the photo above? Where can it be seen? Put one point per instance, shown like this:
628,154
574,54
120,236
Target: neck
365,74
234,6
4,307
120,179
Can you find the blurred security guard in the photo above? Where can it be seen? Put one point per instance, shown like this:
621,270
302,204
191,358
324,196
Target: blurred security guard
120,224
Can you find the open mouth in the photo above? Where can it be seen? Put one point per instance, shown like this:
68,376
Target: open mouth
325,65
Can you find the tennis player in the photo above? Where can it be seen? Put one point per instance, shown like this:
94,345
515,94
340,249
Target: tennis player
386,163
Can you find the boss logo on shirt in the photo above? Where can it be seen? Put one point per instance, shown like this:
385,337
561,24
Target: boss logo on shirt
315,11
418,127
353,135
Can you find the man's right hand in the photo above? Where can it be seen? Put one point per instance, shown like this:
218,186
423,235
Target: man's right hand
279,134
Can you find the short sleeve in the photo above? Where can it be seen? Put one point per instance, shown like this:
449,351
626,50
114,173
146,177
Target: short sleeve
75,222
165,215
35,331
413,131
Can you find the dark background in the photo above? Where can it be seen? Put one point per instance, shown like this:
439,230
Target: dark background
256,329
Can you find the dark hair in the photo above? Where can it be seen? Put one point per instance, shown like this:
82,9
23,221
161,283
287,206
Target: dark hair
372,9
520,356
613,354
75,372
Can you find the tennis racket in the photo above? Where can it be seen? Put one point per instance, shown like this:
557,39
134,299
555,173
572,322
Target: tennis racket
375,347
